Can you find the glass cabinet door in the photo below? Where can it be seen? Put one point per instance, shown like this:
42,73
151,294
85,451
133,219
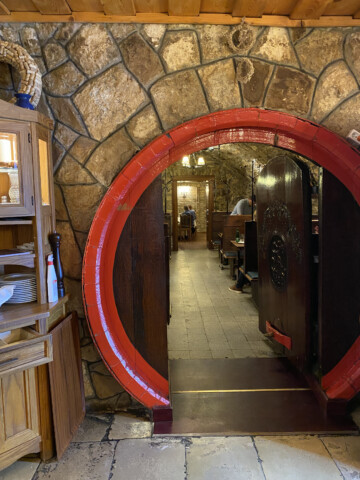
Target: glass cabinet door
16,182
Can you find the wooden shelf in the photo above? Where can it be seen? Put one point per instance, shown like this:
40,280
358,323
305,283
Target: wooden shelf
16,221
24,314
24,259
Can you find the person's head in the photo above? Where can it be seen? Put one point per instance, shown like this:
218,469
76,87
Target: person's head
190,207
186,208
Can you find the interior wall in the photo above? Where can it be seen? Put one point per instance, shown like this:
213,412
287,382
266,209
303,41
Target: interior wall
113,88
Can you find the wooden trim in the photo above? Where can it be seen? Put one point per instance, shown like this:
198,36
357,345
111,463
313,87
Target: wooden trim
45,412
210,212
174,217
203,18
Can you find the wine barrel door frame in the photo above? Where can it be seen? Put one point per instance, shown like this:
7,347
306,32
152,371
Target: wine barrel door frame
230,126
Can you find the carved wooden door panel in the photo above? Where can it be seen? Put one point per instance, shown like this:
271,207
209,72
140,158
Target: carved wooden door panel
284,232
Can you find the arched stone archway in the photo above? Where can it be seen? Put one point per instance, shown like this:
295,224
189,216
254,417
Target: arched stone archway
238,125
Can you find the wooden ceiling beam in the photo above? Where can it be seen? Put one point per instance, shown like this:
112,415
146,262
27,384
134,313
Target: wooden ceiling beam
246,8
52,7
119,7
185,7
357,14
4,10
305,9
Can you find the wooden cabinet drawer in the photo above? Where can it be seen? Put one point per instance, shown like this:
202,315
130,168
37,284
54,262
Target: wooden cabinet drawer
23,348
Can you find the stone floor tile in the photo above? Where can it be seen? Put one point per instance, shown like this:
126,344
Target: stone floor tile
128,426
296,458
80,461
150,459
223,459
345,451
226,353
200,354
20,470
176,354
243,353
93,428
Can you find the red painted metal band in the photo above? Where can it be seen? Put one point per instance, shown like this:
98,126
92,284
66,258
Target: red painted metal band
278,336
237,125
343,381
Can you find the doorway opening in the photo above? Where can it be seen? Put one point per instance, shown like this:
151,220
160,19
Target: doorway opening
239,125
218,359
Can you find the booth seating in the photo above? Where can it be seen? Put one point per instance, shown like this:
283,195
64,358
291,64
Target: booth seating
249,268
228,251
218,219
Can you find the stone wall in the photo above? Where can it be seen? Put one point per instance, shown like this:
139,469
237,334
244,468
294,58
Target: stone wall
113,88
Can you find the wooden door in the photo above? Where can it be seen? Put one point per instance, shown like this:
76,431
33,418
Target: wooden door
284,232
139,279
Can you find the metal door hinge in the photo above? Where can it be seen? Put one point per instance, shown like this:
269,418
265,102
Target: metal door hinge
29,137
32,200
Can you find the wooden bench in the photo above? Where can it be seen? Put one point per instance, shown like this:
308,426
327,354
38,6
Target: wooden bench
228,251
250,264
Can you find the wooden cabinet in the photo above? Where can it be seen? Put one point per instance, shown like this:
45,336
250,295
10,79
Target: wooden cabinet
27,216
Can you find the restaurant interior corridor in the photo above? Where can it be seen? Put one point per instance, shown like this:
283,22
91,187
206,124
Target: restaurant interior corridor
207,319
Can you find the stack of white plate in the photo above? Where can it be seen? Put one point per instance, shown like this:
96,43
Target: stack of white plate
25,286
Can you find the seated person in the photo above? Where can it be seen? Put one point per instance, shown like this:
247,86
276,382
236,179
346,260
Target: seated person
193,219
241,282
243,206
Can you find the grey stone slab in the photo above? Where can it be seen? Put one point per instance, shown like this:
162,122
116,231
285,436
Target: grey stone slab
149,460
127,426
21,470
296,458
92,429
223,458
345,451
81,461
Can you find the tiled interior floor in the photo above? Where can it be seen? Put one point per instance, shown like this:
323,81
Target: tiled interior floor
121,448
208,320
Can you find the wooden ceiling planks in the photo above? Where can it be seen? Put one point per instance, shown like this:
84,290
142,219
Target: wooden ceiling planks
151,6
246,8
279,7
343,7
305,9
85,5
20,5
4,10
185,7
216,6
119,7
52,7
